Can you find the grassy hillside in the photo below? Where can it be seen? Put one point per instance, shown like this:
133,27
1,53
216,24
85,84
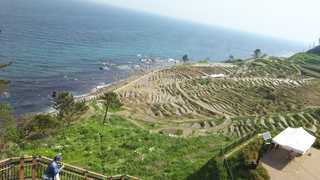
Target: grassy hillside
125,149
309,63
271,67
315,50
235,164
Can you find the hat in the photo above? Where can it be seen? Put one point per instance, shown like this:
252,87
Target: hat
58,157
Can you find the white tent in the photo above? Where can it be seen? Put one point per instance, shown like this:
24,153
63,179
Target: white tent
295,139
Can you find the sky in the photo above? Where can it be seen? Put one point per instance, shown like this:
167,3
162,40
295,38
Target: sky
296,20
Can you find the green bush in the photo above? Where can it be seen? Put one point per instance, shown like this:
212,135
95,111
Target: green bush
8,130
203,62
38,126
240,162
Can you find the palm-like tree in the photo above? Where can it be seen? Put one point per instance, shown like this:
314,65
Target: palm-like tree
110,100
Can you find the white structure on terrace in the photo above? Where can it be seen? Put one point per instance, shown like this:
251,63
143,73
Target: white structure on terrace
295,139
220,75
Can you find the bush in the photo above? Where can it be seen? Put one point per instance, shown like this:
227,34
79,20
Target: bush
241,162
8,130
205,81
203,62
38,126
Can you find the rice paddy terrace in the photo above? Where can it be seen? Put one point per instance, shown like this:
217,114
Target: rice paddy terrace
270,93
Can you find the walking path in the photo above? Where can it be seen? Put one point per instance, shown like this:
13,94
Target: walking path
305,167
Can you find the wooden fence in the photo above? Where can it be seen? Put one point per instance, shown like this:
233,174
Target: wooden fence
231,146
32,168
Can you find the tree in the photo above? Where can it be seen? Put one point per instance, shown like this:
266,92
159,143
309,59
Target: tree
110,100
8,131
63,103
67,107
257,53
185,58
8,127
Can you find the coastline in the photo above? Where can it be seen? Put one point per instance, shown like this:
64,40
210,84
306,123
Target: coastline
100,89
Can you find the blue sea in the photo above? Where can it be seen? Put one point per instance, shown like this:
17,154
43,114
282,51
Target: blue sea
60,45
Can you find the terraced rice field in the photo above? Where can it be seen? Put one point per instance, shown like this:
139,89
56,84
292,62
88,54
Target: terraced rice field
272,67
184,92
242,126
186,98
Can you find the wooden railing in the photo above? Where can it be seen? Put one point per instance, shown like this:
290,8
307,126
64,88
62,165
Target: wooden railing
32,168
224,150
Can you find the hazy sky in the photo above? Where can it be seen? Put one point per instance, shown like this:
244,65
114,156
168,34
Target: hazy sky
290,19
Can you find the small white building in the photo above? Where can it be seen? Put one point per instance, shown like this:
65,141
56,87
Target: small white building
220,75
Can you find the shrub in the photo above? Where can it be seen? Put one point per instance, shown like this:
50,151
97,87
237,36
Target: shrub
203,62
241,162
38,126
8,130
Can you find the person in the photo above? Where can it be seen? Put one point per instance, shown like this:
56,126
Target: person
53,169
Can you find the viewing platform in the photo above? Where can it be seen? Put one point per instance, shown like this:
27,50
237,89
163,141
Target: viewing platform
32,168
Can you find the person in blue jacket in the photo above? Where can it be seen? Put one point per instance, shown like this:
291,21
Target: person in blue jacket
53,169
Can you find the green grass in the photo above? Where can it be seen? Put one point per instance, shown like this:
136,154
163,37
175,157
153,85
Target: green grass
238,163
271,67
126,149
308,62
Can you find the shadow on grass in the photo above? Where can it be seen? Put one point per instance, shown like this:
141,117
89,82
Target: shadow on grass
213,169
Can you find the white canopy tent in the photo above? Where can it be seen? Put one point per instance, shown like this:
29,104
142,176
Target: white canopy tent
295,139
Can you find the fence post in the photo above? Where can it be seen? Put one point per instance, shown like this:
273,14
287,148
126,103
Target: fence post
21,169
226,165
34,168
85,175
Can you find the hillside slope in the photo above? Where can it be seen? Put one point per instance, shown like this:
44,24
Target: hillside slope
315,50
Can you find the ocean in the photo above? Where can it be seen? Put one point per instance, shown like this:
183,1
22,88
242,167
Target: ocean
60,45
